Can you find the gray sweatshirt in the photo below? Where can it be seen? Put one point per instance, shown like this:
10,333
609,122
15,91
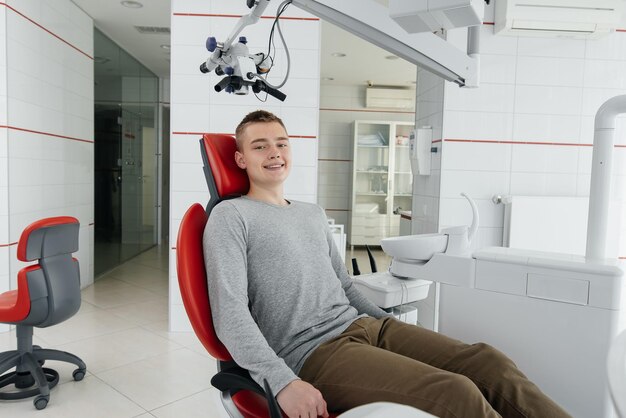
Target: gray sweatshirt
277,285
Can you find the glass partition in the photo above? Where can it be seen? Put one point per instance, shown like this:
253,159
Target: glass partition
126,117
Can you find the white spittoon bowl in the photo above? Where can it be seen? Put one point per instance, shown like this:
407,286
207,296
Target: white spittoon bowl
415,247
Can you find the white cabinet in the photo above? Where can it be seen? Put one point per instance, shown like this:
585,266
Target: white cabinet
381,180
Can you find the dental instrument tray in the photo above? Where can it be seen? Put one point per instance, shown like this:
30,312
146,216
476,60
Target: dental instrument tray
387,291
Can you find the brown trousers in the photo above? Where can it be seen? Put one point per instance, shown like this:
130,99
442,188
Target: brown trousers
388,360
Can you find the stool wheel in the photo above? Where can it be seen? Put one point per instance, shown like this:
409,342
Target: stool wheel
41,401
78,374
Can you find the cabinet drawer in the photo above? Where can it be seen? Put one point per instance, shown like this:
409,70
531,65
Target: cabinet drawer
365,240
376,230
370,220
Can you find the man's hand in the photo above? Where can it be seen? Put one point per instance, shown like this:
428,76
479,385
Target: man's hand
300,399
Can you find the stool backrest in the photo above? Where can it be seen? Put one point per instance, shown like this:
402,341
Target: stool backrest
54,284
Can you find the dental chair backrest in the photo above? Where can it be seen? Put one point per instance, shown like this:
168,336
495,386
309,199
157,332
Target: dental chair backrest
225,179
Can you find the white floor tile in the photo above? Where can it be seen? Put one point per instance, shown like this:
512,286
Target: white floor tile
162,379
82,326
143,313
125,295
183,338
205,404
120,348
88,398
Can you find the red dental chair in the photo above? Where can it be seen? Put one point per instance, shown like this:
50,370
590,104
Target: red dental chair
241,396
47,293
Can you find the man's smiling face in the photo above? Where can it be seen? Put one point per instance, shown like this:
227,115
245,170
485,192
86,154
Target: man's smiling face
265,154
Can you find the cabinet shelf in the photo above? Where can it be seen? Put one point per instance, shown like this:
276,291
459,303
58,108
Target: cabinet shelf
371,172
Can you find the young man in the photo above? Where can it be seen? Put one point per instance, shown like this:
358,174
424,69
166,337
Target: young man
286,309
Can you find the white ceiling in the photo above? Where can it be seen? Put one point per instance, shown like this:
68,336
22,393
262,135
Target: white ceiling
363,61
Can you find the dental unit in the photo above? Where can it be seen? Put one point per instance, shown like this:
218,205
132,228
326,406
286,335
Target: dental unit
555,315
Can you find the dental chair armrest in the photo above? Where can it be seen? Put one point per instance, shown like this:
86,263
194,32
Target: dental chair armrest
235,378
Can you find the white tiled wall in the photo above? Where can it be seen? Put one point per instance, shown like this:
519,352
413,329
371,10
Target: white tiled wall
340,106
527,129
196,108
46,114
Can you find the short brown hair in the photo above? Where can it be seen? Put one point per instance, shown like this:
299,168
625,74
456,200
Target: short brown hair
258,116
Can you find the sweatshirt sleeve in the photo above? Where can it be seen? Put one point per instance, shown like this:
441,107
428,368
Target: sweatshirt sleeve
225,248
356,298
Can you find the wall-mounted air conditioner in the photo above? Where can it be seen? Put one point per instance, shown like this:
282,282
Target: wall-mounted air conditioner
390,98
579,19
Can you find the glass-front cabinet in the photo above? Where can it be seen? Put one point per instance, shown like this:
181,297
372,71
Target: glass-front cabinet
381,180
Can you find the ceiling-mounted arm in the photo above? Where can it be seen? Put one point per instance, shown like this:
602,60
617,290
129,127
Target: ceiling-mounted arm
371,21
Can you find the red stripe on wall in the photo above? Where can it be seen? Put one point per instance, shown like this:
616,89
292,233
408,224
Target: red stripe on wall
328,109
47,30
8,245
231,134
15,128
238,16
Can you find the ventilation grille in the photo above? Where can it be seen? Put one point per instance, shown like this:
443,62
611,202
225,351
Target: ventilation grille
153,30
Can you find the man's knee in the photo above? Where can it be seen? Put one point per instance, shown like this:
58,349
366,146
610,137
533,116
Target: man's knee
491,357
462,398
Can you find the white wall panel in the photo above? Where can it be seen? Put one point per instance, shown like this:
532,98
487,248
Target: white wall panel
488,98
544,159
49,104
478,125
546,128
603,73
551,100
554,71
476,156
543,184
550,47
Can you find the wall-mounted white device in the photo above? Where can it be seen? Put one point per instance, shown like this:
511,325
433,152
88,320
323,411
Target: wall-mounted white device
416,16
420,141
578,19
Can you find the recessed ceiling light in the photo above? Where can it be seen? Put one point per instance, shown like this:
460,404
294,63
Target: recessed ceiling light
338,54
391,57
131,4
166,46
